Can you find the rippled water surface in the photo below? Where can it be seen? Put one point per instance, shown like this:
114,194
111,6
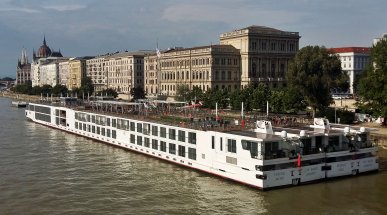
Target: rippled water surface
46,171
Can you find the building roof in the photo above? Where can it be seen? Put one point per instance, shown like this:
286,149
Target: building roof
133,53
200,47
256,29
365,50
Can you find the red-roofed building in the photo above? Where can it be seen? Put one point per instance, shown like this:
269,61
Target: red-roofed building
353,60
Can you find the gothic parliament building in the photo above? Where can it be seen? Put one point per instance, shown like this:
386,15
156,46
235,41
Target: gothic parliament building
23,69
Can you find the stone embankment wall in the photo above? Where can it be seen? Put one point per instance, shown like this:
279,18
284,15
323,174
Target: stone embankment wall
22,97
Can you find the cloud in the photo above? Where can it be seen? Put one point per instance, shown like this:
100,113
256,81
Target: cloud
23,10
64,8
234,14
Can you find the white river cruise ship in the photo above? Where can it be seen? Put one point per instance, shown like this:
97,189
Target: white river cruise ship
261,156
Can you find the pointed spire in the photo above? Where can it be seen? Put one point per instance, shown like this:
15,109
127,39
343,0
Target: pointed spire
44,39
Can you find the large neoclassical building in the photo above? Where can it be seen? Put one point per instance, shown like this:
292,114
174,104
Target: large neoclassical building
265,53
249,55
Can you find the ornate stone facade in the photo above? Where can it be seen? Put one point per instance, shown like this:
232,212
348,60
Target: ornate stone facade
206,67
265,53
23,69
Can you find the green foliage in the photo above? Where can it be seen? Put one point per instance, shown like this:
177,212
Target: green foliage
313,72
346,116
372,85
87,86
213,96
22,88
59,90
109,92
137,93
182,92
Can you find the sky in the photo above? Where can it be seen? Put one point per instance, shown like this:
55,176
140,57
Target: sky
93,27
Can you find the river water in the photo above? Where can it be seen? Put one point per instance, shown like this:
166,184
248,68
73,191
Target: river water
46,171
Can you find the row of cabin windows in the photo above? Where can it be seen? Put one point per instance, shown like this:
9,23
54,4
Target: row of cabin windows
144,128
96,130
171,149
231,144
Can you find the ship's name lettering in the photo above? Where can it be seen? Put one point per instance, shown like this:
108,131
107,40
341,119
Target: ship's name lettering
279,174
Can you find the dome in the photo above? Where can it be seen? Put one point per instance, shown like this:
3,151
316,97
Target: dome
44,50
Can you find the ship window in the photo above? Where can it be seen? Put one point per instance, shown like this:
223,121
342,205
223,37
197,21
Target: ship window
139,140
154,144
88,128
146,128
181,151
250,146
103,132
163,146
172,148
108,121
114,123
221,144
192,137
146,142
139,127
181,136
132,139
163,132
108,132
192,153
231,145
154,130
114,134
213,142
132,126
84,127
333,142
93,119
76,125
93,129
98,130
172,134
119,123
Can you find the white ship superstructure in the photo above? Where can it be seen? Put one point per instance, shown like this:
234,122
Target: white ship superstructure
258,157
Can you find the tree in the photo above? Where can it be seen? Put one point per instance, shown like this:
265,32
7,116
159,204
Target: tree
313,72
109,92
59,90
87,86
182,92
372,87
213,96
137,93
